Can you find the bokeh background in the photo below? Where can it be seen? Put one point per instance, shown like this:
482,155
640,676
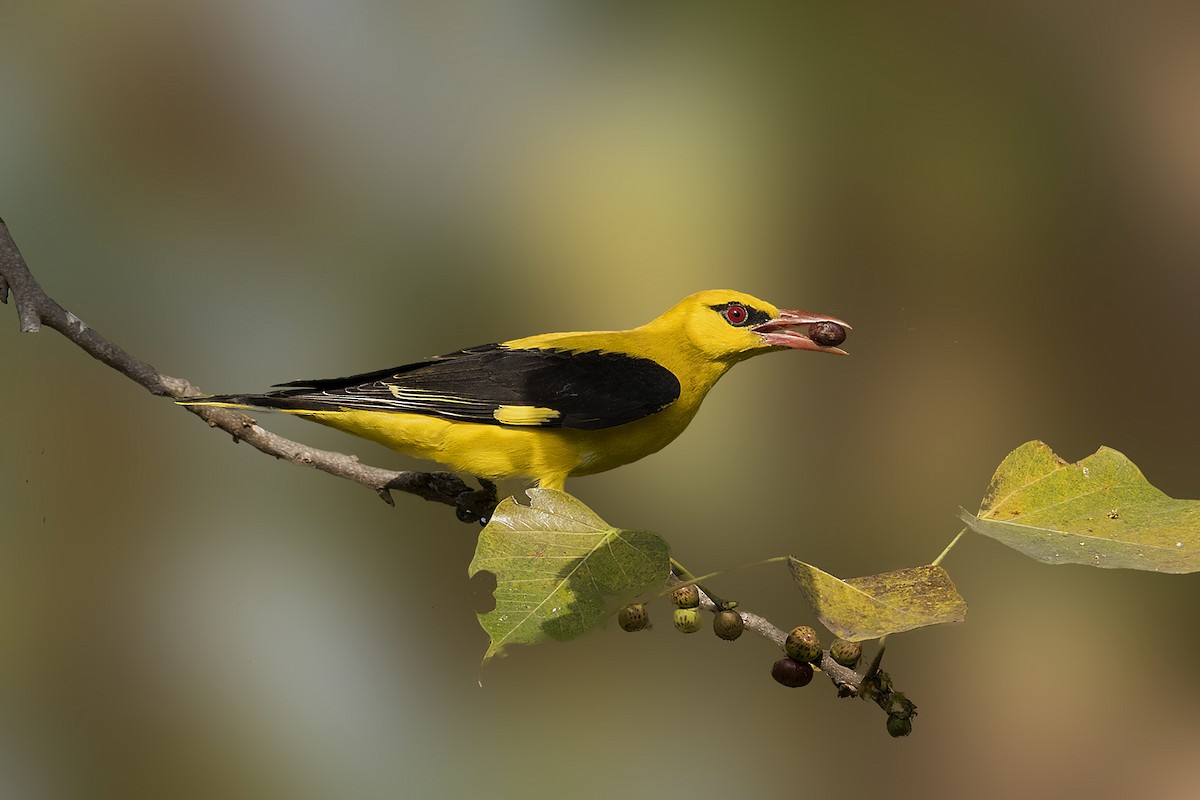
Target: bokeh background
1004,199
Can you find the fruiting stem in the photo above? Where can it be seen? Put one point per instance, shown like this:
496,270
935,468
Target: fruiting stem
686,576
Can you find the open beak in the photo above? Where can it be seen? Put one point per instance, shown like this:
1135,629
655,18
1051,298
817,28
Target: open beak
790,329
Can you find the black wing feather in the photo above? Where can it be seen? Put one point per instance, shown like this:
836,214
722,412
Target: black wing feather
589,390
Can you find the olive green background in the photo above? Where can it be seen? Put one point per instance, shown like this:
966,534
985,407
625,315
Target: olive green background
1001,198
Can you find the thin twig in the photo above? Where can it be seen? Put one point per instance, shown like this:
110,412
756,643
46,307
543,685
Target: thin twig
36,309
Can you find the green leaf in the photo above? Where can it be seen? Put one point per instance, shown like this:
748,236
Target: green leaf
876,605
1101,511
560,569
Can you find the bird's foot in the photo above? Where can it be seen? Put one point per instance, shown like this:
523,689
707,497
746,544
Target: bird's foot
477,504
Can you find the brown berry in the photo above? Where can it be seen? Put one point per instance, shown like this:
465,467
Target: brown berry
728,624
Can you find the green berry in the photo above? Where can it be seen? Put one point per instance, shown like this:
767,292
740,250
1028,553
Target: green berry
633,617
846,653
899,726
803,644
792,673
686,596
728,624
687,620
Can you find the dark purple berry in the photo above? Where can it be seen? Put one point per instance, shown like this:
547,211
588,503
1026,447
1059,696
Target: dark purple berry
827,334
792,673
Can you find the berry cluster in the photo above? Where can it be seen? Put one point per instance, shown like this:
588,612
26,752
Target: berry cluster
727,623
802,648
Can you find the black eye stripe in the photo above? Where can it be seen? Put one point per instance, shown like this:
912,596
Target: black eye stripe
753,315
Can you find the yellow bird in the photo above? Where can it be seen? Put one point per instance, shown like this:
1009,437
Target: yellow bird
554,405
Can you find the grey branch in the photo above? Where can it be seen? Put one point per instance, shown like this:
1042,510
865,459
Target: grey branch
843,677
848,682
36,309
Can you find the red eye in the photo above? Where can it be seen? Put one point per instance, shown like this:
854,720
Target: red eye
736,314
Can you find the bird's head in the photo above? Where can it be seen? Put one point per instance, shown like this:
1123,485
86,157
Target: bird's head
730,326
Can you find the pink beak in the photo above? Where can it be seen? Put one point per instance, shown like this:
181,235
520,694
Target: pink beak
781,331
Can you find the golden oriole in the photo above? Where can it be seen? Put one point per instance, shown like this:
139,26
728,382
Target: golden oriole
557,404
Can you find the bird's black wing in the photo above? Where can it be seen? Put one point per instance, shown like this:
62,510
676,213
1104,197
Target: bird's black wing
497,385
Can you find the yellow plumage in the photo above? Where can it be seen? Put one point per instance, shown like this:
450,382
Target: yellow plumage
555,405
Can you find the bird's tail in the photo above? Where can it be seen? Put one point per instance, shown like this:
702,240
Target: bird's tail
273,401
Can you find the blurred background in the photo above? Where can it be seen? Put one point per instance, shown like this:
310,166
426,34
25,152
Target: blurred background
1003,199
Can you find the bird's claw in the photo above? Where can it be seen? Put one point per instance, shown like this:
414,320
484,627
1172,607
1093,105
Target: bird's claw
477,504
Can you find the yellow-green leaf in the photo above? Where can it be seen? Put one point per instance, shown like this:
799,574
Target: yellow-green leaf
876,605
560,569
1100,511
